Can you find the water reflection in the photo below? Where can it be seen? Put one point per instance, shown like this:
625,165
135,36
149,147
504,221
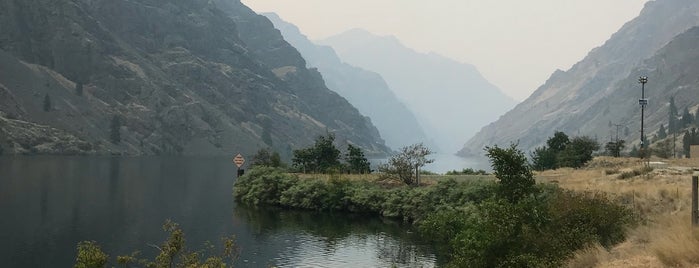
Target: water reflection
49,204
337,240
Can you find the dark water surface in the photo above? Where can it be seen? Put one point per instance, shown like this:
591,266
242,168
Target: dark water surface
48,204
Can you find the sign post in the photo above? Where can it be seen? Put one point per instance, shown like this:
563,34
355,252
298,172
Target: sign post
239,160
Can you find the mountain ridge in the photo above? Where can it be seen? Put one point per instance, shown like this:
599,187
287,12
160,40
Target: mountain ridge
564,101
181,77
366,90
440,90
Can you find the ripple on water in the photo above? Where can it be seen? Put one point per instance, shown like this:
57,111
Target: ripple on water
376,250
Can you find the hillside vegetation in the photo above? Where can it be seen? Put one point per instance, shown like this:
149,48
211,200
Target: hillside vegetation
194,77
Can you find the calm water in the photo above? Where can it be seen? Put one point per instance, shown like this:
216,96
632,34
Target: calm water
49,204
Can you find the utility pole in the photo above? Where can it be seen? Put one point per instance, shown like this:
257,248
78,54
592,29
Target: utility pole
643,102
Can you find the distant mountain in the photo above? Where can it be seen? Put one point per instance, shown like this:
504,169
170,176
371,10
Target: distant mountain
193,77
603,87
451,100
364,89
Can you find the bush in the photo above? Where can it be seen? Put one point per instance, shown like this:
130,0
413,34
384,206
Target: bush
263,186
541,230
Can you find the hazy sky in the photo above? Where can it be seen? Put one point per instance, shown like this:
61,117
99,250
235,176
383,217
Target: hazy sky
515,44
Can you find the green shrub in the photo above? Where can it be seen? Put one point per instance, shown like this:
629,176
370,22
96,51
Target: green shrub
263,186
90,255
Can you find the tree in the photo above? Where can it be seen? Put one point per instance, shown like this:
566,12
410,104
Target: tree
266,158
558,142
327,155
406,164
661,132
515,179
578,152
304,159
115,130
321,157
547,157
357,162
47,103
614,148
543,158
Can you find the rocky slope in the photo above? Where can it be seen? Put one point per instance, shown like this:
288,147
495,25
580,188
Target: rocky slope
603,87
182,77
364,89
452,100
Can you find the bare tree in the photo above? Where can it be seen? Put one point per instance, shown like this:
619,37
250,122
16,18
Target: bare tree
406,164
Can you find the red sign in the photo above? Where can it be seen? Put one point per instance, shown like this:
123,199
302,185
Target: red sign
238,160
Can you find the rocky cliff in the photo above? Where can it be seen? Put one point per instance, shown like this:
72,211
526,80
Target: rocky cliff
603,87
364,89
177,77
451,100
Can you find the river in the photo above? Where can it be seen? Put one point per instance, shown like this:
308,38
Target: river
50,203
446,162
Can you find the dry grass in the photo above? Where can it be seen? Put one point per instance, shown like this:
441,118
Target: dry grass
660,198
